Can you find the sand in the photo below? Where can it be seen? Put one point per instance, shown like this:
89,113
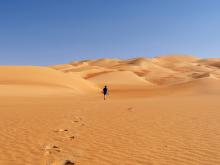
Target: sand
159,111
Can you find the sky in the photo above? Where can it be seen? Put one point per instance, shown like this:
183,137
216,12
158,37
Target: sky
48,32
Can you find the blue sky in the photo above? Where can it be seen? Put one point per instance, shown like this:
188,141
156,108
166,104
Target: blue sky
47,32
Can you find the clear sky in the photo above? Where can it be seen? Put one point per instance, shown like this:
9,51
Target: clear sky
44,32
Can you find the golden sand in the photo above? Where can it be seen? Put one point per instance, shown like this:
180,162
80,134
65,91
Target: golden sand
159,111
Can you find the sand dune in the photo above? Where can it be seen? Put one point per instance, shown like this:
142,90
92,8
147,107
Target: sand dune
205,85
215,62
176,58
162,111
40,79
162,70
105,62
121,79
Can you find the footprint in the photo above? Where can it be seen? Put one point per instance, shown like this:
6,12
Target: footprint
78,120
48,149
72,137
65,162
61,130
130,108
68,162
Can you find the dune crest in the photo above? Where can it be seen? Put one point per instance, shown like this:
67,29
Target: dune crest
158,71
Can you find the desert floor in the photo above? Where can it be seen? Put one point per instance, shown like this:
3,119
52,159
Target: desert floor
125,129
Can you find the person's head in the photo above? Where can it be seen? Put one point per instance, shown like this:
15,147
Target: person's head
105,86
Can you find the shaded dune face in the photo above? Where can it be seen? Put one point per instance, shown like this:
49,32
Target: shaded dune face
213,62
134,73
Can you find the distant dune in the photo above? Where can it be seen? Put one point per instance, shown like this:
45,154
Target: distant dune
159,71
90,75
120,79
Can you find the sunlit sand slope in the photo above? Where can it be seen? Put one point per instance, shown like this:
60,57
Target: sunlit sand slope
18,80
160,71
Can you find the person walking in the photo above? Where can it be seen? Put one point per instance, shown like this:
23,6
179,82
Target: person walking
105,91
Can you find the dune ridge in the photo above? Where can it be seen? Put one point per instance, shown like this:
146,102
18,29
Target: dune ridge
158,71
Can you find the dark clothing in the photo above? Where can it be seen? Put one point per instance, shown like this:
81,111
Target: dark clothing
105,90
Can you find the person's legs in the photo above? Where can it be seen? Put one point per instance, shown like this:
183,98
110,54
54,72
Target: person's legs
104,96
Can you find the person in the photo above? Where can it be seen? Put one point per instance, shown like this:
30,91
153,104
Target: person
105,91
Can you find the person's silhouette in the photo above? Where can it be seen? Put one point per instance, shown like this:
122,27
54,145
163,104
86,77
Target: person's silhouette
105,91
